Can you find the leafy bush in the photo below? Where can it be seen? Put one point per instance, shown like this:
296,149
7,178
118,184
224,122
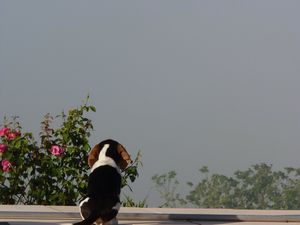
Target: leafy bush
259,187
53,171
167,184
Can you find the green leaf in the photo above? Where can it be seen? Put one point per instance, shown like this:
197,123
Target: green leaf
93,108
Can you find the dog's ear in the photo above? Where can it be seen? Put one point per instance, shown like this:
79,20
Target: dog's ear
125,157
93,156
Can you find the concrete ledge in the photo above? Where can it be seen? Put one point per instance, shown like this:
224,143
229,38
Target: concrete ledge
224,215
33,212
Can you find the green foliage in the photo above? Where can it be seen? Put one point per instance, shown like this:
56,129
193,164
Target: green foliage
131,172
212,192
129,202
55,170
258,187
167,184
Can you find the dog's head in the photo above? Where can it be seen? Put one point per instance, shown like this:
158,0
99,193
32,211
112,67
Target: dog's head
115,151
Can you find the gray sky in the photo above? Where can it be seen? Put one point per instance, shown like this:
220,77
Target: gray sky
190,83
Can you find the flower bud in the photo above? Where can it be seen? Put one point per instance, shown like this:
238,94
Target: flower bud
57,150
13,135
6,165
4,131
3,148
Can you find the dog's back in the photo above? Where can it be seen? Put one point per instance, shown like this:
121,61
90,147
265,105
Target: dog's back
103,195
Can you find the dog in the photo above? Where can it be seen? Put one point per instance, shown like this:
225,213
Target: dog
102,202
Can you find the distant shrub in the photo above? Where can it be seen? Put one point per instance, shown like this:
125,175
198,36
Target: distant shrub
259,187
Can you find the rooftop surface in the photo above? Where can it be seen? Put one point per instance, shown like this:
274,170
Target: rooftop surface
62,215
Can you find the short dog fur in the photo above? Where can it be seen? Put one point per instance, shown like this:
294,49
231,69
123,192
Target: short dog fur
102,202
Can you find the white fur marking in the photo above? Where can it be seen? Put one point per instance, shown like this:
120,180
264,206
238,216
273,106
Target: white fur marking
80,205
83,201
117,206
104,160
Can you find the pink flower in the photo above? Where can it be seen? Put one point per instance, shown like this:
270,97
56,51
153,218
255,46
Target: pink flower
6,165
57,150
3,148
13,135
4,131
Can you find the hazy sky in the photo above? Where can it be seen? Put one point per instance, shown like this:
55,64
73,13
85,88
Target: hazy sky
190,83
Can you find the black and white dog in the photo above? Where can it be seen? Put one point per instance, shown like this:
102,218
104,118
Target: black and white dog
102,202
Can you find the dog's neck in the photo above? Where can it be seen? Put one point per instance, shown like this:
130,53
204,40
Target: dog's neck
104,160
